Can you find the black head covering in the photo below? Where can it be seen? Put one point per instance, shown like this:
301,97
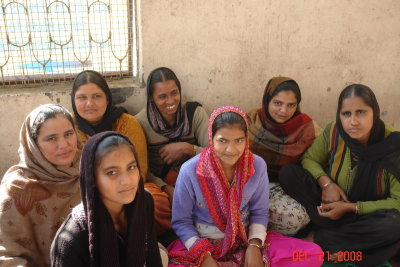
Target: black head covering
112,112
380,152
103,242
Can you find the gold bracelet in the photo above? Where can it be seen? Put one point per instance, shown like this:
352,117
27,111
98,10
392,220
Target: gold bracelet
356,208
194,149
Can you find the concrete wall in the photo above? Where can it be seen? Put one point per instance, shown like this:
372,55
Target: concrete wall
225,51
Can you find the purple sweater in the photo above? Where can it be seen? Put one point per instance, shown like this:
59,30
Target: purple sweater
189,206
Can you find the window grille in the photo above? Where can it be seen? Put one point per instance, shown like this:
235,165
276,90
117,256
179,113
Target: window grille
44,41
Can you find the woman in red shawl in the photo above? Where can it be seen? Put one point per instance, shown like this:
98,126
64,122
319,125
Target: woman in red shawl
280,133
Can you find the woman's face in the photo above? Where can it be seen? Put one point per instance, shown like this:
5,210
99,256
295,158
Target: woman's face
229,143
57,141
91,103
166,97
282,106
117,177
357,118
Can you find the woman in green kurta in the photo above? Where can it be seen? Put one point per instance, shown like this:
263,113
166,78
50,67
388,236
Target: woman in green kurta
350,186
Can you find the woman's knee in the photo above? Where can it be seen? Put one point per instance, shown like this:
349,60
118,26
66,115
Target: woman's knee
387,222
288,173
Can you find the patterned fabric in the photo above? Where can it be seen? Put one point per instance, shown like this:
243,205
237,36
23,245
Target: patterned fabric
159,125
36,196
222,200
280,143
286,215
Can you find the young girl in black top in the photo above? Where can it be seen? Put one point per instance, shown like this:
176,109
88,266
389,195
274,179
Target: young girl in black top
113,226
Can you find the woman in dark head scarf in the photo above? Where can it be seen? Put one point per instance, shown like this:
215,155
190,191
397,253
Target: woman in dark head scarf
350,184
280,133
113,226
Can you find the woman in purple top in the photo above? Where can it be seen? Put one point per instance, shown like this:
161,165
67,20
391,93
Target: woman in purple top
220,209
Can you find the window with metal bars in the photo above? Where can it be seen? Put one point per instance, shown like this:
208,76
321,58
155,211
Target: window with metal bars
50,41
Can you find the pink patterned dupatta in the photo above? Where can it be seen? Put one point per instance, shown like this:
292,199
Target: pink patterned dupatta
223,200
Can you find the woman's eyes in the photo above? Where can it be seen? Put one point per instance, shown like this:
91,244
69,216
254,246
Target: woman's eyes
348,113
277,103
82,97
132,167
71,133
51,139
111,173
223,141
114,172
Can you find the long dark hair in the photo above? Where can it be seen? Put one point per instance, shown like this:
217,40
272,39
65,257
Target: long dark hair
161,74
90,76
368,96
112,112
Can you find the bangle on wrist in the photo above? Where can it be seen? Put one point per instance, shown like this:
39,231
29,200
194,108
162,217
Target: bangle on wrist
357,210
194,150
254,245
326,184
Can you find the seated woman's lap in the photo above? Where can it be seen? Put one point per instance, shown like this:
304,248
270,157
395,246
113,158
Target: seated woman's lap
286,215
281,251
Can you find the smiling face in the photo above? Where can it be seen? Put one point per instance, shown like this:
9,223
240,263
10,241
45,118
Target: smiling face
91,103
229,143
117,177
57,141
282,106
166,97
357,118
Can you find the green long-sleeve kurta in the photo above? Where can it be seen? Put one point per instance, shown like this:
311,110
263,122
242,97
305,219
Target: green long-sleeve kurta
318,161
